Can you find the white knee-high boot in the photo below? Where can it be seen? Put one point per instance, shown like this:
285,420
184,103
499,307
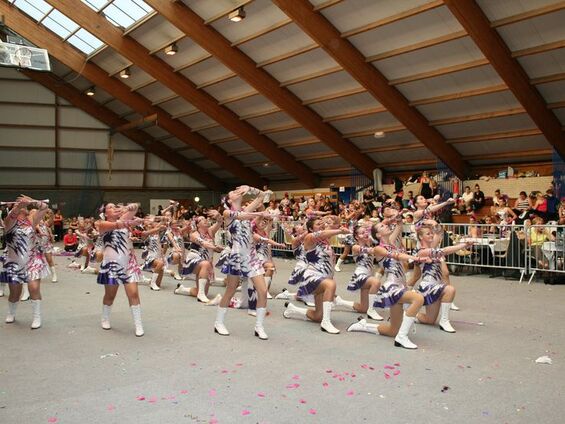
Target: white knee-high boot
295,312
444,323
372,312
219,326
136,314
401,339
54,274
363,326
326,324
201,296
12,307
105,320
268,284
259,329
153,285
338,265
340,304
182,290
36,310
25,293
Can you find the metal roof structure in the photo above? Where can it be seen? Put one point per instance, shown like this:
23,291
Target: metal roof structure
298,89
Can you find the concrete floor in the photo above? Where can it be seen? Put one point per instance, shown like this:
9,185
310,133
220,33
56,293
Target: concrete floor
71,371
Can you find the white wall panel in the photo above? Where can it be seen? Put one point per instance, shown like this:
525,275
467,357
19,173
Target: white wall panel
27,158
157,164
30,115
71,117
122,142
27,137
26,178
171,180
83,139
77,178
11,73
27,91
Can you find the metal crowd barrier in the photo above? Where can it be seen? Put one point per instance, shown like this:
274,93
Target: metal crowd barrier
523,250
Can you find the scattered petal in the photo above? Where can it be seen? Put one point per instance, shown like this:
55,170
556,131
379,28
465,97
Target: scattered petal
329,371
372,368
387,375
152,399
397,364
52,420
364,366
193,364
245,412
213,392
302,401
225,371
213,421
389,367
239,365
296,377
261,394
325,385
184,392
140,397
350,393
396,372
293,386
312,411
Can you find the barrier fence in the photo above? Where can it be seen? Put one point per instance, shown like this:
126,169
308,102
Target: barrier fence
523,251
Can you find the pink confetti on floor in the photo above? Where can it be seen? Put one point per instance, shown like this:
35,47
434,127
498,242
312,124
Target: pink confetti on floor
353,375
213,421
52,420
364,366
312,411
225,371
396,372
302,401
372,368
261,394
397,364
388,367
293,386
245,412
329,371
193,364
239,365
296,377
350,393
325,385
212,392
387,375
184,392
140,397
152,399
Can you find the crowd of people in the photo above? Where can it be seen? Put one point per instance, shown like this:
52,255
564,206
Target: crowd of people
182,242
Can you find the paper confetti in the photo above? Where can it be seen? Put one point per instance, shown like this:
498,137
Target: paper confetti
184,392
152,399
213,392
52,420
293,386
325,385
245,412
388,367
387,376
261,394
397,364
350,393
140,397
296,377
239,365
110,407
302,401
312,411
329,371
396,372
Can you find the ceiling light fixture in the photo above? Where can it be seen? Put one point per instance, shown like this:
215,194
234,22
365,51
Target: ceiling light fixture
91,91
197,199
172,49
237,15
125,73
379,134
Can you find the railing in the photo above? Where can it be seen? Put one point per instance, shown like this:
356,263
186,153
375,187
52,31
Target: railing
522,250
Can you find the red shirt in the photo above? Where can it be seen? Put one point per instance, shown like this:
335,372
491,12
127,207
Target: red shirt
70,239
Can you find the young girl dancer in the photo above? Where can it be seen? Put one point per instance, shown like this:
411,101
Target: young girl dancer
392,293
198,260
119,265
175,236
46,242
349,219
24,261
154,259
317,278
242,261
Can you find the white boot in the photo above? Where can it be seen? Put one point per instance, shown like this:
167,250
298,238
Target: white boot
219,326
25,293
340,304
326,324
453,307
371,312
244,304
401,339
136,314
285,295
363,326
105,321
88,270
215,301
53,275
292,311
444,323
338,265
153,285
169,272
177,276
11,317
36,308
268,284
182,290
259,330
2,288
201,296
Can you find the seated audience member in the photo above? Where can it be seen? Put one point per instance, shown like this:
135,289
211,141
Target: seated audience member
496,198
540,205
552,205
537,236
70,240
467,198
522,205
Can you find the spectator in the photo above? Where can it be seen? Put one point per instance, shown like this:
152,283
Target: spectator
522,205
159,210
426,190
398,198
478,199
70,240
58,225
467,197
409,202
552,205
537,236
496,198
540,205
273,209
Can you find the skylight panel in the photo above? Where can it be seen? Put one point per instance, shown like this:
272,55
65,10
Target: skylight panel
95,4
60,24
37,9
85,41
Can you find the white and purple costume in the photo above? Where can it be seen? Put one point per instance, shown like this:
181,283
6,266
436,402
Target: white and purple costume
19,245
119,264
153,250
365,264
432,285
197,253
393,287
300,267
320,266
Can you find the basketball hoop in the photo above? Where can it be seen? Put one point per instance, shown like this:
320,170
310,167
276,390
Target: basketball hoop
23,57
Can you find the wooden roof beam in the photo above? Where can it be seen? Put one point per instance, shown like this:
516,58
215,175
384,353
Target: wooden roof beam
475,22
66,54
191,24
111,119
179,84
329,38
